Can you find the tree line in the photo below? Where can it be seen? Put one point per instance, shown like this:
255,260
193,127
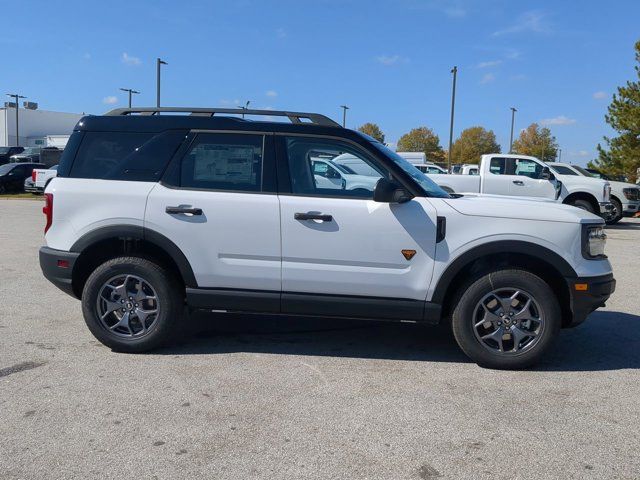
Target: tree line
473,142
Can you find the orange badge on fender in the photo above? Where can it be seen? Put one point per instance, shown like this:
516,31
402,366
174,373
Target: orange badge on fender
408,254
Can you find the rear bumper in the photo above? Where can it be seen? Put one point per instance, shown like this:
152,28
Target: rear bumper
57,267
587,294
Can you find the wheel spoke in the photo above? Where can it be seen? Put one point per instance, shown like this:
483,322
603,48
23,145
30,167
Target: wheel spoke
524,313
520,334
496,336
124,322
144,314
110,307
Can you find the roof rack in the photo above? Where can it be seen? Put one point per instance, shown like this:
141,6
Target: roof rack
295,117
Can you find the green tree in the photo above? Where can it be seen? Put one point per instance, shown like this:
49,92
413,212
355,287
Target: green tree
621,156
472,143
373,130
422,139
537,142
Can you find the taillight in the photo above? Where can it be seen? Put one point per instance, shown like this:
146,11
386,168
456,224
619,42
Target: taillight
48,210
33,176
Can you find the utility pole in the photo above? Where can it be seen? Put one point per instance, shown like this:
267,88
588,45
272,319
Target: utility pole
513,116
158,63
344,115
130,91
17,98
454,70
559,155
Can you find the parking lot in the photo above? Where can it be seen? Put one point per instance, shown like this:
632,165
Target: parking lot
244,397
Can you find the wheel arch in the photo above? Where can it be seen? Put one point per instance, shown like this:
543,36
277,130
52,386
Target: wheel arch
583,196
99,245
477,261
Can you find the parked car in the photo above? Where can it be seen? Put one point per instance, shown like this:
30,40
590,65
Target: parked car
431,168
624,196
7,152
332,174
40,178
29,154
50,156
150,213
13,175
523,176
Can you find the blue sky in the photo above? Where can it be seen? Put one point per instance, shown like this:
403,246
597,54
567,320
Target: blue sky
557,62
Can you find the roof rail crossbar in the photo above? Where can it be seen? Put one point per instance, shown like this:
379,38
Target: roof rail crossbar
294,117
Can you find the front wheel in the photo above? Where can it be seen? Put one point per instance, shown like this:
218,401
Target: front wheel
132,304
584,205
617,212
506,319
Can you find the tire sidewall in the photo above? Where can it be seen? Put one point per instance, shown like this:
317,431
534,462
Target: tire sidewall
584,205
168,300
462,318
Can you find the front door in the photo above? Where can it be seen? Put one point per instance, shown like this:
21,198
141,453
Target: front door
340,249
222,212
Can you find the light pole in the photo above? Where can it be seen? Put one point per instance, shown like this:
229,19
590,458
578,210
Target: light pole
246,107
559,155
158,63
344,115
130,91
454,70
17,98
513,116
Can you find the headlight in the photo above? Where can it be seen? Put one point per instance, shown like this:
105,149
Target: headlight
594,239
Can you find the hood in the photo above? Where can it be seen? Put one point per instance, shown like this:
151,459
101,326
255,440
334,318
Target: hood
521,208
622,185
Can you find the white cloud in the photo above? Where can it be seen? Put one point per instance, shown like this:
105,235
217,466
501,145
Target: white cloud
391,59
87,56
271,93
532,21
559,120
600,95
487,78
490,63
130,60
281,33
110,100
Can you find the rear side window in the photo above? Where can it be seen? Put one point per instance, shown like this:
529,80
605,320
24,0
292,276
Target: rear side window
222,161
125,156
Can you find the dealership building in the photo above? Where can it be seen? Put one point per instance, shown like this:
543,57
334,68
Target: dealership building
36,128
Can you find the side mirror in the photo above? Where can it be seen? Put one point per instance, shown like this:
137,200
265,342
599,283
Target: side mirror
546,174
387,191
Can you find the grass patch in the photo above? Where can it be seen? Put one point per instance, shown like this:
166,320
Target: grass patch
20,196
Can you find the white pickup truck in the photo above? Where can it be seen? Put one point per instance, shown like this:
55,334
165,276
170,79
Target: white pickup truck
523,176
41,178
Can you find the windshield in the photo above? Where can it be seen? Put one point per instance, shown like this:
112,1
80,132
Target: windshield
562,170
428,185
6,168
31,150
585,172
4,150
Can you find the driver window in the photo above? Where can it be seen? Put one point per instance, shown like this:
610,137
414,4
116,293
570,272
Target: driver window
324,167
528,168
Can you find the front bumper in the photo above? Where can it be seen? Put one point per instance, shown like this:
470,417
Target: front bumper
587,294
57,267
607,210
629,209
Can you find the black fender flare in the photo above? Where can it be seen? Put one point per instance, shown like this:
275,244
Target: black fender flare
503,246
139,233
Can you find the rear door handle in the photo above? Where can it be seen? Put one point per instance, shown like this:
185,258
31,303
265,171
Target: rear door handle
518,182
313,216
176,210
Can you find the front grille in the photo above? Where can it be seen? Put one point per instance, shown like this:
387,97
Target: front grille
632,193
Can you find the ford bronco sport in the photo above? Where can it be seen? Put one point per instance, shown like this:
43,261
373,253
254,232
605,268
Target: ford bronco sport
153,211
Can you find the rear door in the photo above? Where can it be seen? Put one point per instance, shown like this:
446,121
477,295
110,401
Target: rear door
218,204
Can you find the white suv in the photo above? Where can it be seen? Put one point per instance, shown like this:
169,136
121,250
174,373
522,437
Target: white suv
153,212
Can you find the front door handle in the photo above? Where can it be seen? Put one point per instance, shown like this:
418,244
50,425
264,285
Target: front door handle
189,210
313,216
518,182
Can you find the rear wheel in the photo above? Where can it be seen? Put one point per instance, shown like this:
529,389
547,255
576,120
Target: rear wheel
132,304
506,319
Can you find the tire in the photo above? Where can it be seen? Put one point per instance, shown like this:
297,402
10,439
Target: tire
618,212
468,328
584,205
142,330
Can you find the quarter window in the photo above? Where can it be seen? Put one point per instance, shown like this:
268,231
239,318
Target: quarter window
498,166
231,162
